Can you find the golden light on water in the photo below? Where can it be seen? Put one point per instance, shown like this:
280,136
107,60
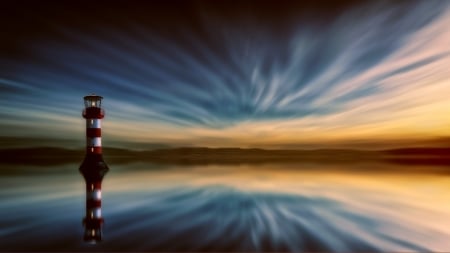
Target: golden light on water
408,205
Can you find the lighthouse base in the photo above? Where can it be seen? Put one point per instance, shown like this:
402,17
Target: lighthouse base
93,167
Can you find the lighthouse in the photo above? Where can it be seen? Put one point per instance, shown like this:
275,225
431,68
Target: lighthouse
93,168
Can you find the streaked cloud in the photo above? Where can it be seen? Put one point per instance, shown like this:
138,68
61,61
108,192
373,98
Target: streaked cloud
376,70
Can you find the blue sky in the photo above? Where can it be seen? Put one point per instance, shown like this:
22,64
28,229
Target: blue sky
233,76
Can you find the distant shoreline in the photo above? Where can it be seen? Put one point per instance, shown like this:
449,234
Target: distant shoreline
54,156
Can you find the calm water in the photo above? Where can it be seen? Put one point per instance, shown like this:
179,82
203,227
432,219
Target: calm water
229,208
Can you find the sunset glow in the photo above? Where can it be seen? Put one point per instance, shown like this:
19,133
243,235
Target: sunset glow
373,72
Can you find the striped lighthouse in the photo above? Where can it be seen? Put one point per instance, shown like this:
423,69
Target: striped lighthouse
93,168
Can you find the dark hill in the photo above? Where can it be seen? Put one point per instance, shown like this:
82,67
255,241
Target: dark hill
49,156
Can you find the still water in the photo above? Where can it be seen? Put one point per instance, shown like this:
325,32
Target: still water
271,207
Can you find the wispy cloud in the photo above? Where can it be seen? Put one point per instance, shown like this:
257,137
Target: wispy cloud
375,70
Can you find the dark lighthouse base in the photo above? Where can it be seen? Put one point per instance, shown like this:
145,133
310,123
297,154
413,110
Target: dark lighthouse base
93,167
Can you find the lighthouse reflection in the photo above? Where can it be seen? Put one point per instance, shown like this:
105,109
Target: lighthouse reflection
93,170
93,221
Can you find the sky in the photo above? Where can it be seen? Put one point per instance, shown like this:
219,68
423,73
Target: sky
269,74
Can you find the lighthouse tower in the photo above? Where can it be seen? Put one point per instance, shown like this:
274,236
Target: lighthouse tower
93,168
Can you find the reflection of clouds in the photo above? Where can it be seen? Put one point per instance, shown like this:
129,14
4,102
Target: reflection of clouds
230,208
283,209
376,70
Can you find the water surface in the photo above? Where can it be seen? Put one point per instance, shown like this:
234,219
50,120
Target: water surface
270,207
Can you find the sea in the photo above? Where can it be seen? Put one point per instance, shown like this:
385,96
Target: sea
269,207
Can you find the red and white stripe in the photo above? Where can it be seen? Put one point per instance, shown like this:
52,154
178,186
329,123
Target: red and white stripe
94,201
93,136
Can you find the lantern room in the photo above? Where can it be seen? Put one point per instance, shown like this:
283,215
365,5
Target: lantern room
93,101
93,110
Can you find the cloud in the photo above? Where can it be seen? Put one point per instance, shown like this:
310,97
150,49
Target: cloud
376,69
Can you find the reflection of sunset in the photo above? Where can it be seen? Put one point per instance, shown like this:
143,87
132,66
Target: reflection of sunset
337,208
411,207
